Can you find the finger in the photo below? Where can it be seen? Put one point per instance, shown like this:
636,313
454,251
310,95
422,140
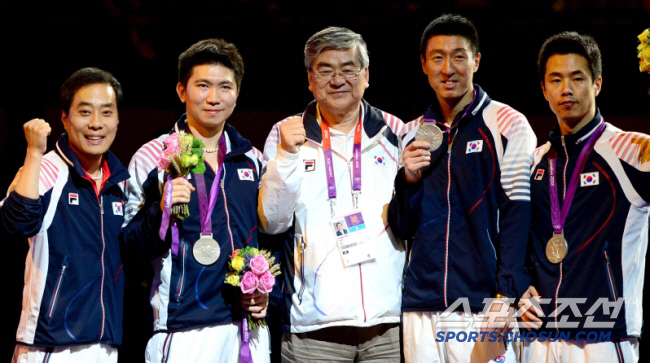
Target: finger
533,291
415,167
420,145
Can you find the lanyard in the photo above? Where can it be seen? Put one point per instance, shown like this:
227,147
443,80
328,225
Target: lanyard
558,216
329,162
206,207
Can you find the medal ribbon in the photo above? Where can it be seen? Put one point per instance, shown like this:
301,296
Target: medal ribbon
245,355
206,207
329,163
558,217
458,119
166,218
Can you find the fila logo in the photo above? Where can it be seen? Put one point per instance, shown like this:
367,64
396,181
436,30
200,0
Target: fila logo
474,146
73,198
539,175
245,174
118,210
587,179
310,165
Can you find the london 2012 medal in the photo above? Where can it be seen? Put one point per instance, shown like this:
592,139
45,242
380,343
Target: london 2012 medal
556,248
430,133
206,250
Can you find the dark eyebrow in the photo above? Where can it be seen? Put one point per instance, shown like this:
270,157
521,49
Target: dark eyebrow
433,51
574,73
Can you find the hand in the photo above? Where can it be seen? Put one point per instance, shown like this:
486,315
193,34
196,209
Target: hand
36,132
416,157
530,318
292,135
499,313
182,190
256,303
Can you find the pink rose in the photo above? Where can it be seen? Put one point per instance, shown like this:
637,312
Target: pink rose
171,144
259,265
266,282
164,162
249,283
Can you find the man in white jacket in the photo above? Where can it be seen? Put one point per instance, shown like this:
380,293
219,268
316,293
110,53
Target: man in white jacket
336,163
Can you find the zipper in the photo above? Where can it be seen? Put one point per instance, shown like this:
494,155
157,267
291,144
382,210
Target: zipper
448,215
56,290
179,290
101,286
612,286
302,269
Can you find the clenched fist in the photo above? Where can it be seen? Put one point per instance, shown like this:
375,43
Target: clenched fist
292,135
181,192
416,157
36,132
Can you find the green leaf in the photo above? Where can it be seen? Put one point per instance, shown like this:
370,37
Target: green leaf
197,151
199,168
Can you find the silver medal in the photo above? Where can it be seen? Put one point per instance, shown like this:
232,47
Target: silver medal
206,250
430,133
556,248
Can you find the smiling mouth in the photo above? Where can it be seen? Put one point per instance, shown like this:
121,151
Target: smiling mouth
95,140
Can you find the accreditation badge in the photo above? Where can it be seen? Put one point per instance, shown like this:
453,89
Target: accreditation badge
352,238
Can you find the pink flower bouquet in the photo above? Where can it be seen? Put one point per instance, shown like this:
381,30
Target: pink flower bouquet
252,269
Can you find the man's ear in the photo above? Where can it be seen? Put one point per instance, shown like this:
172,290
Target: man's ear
598,85
180,90
64,119
477,61
541,83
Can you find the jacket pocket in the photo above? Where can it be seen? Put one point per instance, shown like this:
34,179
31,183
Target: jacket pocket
57,288
302,269
181,278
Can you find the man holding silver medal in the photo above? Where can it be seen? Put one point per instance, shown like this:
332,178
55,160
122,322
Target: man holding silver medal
330,170
463,198
590,203
194,311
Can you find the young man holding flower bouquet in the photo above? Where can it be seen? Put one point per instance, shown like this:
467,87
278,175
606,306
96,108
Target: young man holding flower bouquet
69,202
335,164
193,208
590,206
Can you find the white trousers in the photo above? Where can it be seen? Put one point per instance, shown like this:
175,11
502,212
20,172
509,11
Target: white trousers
100,353
626,351
425,340
215,344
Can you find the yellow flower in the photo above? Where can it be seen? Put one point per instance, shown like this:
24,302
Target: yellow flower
232,279
644,65
643,37
237,263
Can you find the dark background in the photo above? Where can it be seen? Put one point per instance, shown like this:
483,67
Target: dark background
139,42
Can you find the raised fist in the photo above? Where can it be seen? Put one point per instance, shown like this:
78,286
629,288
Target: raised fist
292,134
36,132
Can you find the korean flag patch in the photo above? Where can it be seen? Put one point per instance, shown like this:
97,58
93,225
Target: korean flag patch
245,174
118,209
474,146
73,198
587,179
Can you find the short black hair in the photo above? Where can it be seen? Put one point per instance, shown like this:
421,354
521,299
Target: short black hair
210,51
85,77
571,43
450,24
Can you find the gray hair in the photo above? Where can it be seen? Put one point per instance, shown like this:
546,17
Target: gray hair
335,38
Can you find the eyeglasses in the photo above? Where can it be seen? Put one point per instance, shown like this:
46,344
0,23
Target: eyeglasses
328,75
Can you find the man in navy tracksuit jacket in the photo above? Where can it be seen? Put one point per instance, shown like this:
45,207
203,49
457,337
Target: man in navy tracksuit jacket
70,203
606,229
465,205
196,315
